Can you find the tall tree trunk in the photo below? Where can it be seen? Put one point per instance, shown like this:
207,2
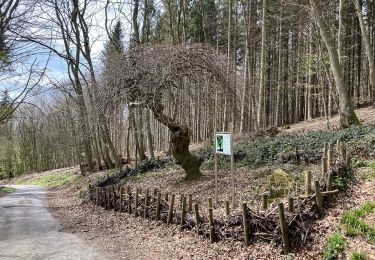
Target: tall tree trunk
261,98
136,36
150,148
367,43
347,114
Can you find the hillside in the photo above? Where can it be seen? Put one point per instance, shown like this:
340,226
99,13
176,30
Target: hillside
153,239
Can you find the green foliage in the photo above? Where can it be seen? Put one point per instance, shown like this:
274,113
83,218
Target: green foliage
341,183
202,22
355,224
358,256
115,44
334,246
361,164
6,189
254,153
52,180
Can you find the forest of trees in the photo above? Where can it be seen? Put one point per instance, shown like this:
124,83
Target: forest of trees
204,64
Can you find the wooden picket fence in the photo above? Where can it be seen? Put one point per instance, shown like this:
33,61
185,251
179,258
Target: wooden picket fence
161,207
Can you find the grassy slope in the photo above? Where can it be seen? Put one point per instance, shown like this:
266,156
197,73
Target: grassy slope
54,178
6,190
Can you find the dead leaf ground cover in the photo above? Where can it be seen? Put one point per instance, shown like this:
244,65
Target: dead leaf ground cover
126,237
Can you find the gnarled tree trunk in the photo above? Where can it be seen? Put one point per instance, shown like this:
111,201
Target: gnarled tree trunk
180,141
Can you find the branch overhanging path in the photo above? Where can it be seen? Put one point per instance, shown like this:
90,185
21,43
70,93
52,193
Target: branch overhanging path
146,75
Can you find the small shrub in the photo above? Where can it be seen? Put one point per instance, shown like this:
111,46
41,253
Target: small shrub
351,231
358,256
349,218
368,207
360,164
334,246
359,213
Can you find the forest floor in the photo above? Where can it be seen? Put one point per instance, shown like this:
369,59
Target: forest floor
126,237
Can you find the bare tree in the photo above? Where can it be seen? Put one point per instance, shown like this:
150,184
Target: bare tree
146,75
367,43
347,114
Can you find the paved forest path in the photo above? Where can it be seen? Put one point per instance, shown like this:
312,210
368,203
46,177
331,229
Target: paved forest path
28,230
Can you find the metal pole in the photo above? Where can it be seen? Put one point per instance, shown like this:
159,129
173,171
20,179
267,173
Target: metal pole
216,174
232,167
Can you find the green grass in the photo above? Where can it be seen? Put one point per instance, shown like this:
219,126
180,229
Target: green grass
6,189
52,180
358,256
355,224
372,165
334,246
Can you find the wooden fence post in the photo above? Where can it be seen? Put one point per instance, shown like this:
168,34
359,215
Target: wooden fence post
190,202
325,151
245,224
166,196
264,201
348,161
319,199
324,166
181,198
102,197
210,203
197,217
284,228
155,194
183,211
227,209
108,198
157,217
128,191
211,224
329,156
343,153
146,204
290,204
136,202
170,211
307,183
122,190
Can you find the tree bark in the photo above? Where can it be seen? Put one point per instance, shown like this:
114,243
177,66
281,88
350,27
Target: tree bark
347,114
261,98
179,144
367,43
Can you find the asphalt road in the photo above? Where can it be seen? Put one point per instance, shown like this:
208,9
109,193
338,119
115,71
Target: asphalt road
28,230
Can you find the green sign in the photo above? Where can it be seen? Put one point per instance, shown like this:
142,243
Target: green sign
223,144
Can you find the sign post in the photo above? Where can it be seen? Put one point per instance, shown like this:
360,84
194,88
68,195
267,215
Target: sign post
224,145
216,177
